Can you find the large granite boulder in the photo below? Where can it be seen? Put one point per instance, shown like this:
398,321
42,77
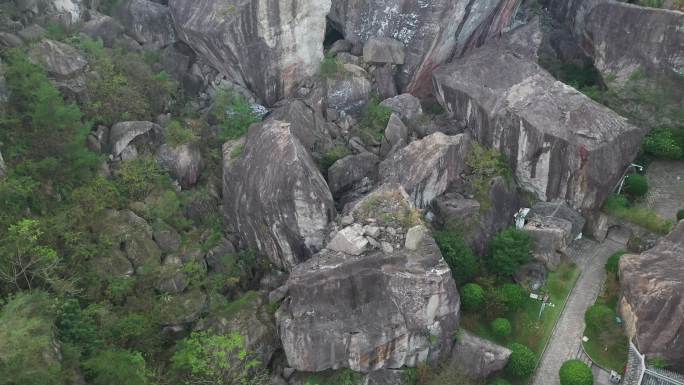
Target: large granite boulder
383,50
103,27
65,12
148,22
623,38
560,143
352,173
477,357
265,45
60,60
652,302
431,32
388,307
308,124
128,139
553,226
427,167
183,162
349,91
275,197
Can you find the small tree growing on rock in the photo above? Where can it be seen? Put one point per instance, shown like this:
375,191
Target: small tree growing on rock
508,251
576,372
458,256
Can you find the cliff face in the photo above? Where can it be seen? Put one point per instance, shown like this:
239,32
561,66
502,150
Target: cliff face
652,301
265,45
432,31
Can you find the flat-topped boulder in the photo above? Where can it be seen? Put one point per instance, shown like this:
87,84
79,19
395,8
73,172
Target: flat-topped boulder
652,302
380,307
274,195
560,143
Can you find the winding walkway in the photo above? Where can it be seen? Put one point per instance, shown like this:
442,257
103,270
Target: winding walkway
590,257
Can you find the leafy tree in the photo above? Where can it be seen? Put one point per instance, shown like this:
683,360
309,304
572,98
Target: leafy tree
575,372
485,164
220,359
176,134
458,256
115,367
77,328
139,177
508,251
599,316
501,327
636,185
513,296
522,361
661,143
613,262
24,262
472,296
234,114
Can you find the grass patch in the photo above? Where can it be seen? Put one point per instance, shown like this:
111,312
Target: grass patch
375,119
331,67
608,345
620,207
333,155
527,327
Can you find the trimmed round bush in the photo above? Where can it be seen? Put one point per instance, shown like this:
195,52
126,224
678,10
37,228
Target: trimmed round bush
501,327
499,381
513,296
575,372
636,185
472,296
680,215
522,361
598,317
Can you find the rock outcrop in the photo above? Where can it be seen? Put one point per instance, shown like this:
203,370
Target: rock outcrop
427,167
560,143
274,195
652,302
431,31
387,307
183,162
265,45
148,22
59,59
128,139
553,226
477,357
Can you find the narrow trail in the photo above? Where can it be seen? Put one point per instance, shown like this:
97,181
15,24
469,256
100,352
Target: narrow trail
566,339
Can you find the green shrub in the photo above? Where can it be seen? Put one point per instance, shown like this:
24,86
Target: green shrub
661,143
508,251
513,296
457,254
77,328
485,164
680,215
375,118
115,367
501,327
137,178
499,381
234,114
599,316
576,372
619,206
522,361
331,67
636,185
333,155
176,134
613,262
472,296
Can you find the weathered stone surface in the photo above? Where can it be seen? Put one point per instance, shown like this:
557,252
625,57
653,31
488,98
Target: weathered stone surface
372,311
396,136
167,237
65,12
553,226
432,31
10,40
307,124
350,90
385,377
216,257
131,239
265,45
383,50
32,33
623,38
652,302
348,172
3,167
275,196
181,310
103,27
340,46
415,237
406,105
383,81
59,59
560,143
123,134
172,279
426,167
477,357
149,23
349,240
184,162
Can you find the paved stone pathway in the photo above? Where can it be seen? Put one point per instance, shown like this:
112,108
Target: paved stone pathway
590,257
666,192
